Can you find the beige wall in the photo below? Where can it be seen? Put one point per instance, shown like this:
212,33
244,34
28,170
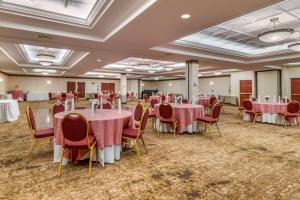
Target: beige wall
39,84
133,86
268,84
3,83
176,86
235,81
220,85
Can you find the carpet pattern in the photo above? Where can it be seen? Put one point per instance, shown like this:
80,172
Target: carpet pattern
260,161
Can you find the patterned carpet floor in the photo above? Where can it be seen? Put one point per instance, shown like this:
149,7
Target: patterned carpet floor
260,161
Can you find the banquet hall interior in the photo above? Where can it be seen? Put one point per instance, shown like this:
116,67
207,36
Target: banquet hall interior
149,99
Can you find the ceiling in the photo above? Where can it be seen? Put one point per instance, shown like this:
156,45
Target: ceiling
110,37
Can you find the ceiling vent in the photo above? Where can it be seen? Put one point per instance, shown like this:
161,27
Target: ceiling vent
44,37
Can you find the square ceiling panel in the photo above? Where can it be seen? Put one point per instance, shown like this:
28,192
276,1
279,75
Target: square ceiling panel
31,53
73,11
239,36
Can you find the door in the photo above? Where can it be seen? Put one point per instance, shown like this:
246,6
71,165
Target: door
109,87
295,89
71,87
81,89
245,90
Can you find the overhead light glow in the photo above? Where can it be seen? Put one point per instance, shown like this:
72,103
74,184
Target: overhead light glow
294,47
129,69
98,60
1,79
185,16
292,64
45,73
118,76
156,78
211,83
151,71
45,70
218,73
49,82
101,76
168,68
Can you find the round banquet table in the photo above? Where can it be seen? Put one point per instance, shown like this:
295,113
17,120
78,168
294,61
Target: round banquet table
9,110
154,97
107,127
270,112
186,114
204,101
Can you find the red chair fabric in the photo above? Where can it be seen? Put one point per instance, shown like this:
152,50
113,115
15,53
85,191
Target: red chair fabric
166,111
185,101
153,102
63,96
137,133
248,108
163,98
58,107
292,111
96,96
42,133
138,112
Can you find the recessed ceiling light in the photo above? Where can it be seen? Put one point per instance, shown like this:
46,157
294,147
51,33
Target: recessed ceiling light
170,84
48,82
218,73
101,76
45,73
151,71
98,60
168,68
211,83
156,78
199,74
129,69
1,79
185,16
118,76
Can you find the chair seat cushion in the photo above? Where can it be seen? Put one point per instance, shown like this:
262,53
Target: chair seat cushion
152,114
166,121
82,144
42,133
287,114
251,112
207,119
130,132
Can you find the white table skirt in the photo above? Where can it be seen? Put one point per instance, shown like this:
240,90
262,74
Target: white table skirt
5,96
106,155
271,118
191,128
9,110
36,96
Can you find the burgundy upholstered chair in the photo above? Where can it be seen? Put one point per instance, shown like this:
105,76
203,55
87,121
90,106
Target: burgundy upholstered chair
63,96
212,100
163,98
221,102
212,119
146,99
36,134
166,115
50,95
138,114
76,129
58,107
240,108
185,101
96,96
292,111
105,106
248,109
152,114
134,134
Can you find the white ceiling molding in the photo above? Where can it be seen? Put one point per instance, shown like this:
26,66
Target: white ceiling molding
32,72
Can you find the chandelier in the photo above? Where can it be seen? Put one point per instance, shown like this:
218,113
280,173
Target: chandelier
275,35
45,59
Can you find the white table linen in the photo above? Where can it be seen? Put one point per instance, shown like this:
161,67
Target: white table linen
9,110
6,96
37,96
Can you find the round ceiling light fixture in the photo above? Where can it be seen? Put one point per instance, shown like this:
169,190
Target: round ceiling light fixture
168,68
275,35
294,47
151,71
45,73
45,59
185,16
101,76
129,69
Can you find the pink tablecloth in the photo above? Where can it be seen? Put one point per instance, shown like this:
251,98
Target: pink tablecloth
17,94
106,125
265,107
186,114
204,101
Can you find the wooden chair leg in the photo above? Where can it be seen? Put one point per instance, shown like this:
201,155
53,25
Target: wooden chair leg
31,150
91,158
61,160
208,126
158,130
175,127
144,144
218,129
137,150
254,119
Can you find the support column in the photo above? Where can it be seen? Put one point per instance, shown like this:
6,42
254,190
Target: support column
192,80
123,88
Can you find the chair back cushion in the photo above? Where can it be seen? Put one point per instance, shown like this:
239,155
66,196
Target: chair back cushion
144,120
50,95
30,118
163,98
138,112
153,102
146,97
247,104
166,111
185,101
96,96
293,107
63,95
106,106
74,127
212,99
58,107
216,111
